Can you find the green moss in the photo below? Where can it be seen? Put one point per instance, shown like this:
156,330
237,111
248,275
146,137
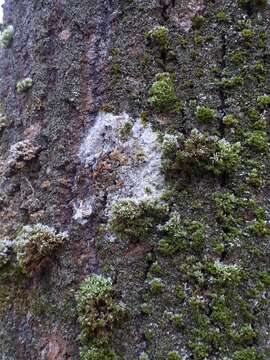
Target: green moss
173,239
174,355
257,140
255,179
222,17
200,152
246,354
198,40
238,57
136,220
247,34
231,83
260,67
96,353
196,233
149,335
98,311
159,36
7,36
177,320
156,286
205,114
146,309
224,274
162,95
24,85
265,278
259,228
244,336
229,121
221,314
180,294
198,21
227,157
125,130
200,351
264,101
144,118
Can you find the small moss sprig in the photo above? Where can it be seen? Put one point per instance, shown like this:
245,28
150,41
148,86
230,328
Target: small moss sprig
7,36
24,85
205,114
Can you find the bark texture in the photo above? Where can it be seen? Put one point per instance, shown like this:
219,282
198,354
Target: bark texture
142,144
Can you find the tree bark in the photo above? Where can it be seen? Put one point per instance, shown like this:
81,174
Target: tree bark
183,233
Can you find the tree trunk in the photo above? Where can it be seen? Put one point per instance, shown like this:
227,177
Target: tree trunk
134,146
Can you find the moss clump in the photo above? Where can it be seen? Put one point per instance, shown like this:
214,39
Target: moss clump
205,114
196,234
97,309
257,140
177,320
96,353
231,83
223,274
159,36
247,34
245,335
264,101
136,220
229,120
201,152
146,309
222,17
226,158
35,243
246,354
259,228
125,130
238,57
174,238
174,355
265,278
7,36
200,351
24,85
156,286
198,21
254,178
162,95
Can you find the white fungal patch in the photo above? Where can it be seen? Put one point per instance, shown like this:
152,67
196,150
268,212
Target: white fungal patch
139,169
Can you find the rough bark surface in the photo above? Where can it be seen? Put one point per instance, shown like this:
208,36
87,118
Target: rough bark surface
188,251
